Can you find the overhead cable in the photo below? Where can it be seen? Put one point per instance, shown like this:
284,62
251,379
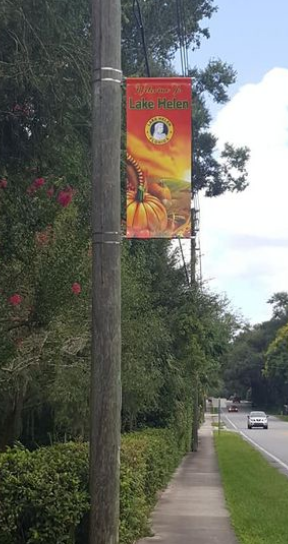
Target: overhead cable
138,16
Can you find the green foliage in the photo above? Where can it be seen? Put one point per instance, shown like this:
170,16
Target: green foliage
169,334
42,256
161,32
279,302
276,365
277,354
245,362
44,131
44,494
148,460
45,118
229,171
256,364
45,90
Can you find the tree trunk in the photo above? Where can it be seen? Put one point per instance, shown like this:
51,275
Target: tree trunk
12,426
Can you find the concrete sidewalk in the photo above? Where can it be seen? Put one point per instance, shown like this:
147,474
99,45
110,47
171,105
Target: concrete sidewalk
192,509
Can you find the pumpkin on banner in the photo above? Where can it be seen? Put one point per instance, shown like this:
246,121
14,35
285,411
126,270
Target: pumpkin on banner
144,211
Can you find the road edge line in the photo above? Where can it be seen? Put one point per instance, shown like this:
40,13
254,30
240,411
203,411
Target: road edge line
257,446
281,463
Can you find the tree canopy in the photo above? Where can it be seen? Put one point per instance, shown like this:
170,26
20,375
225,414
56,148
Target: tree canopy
169,330
257,363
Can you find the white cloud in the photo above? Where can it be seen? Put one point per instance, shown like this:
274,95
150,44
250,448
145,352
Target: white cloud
245,236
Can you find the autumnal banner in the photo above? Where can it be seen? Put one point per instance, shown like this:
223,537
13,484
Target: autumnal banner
159,157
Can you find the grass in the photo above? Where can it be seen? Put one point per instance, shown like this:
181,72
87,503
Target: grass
256,493
216,424
283,418
278,412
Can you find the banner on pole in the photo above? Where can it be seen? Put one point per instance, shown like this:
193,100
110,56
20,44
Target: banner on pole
159,160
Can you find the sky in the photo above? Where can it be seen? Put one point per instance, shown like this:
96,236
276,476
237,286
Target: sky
244,237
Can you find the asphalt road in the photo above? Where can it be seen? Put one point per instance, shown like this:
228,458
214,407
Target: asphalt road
273,443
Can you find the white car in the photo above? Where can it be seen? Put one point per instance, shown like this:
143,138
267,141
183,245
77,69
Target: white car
257,419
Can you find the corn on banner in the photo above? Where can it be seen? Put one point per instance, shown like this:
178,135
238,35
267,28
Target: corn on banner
158,157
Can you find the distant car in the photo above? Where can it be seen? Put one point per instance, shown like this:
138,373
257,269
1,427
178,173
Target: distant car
232,408
257,419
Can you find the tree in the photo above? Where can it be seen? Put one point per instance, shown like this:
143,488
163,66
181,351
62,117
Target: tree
44,171
256,360
161,32
45,90
279,302
228,173
45,276
244,365
45,247
276,365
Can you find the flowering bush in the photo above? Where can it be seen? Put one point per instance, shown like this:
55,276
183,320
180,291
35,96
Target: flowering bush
76,288
15,300
65,197
37,183
3,183
44,269
50,192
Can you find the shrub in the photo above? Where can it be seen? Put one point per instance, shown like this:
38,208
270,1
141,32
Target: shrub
147,462
44,494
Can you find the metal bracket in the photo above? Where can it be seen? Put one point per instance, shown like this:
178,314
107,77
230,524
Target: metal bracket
107,73
106,238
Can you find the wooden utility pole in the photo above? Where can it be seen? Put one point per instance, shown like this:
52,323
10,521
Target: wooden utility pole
193,283
106,284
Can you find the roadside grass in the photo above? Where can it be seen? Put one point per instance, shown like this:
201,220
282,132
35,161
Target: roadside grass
216,424
277,412
283,418
256,493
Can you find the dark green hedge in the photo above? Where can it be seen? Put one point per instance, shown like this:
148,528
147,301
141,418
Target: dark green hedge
44,494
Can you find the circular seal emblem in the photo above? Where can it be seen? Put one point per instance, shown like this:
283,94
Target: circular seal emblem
159,130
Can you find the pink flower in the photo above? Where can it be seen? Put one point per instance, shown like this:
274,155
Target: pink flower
50,192
38,182
15,300
76,288
3,183
65,197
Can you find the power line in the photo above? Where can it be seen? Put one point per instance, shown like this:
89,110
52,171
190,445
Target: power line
184,67
184,262
184,56
139,19
138,16
180,37
185,36
183,33
181,24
